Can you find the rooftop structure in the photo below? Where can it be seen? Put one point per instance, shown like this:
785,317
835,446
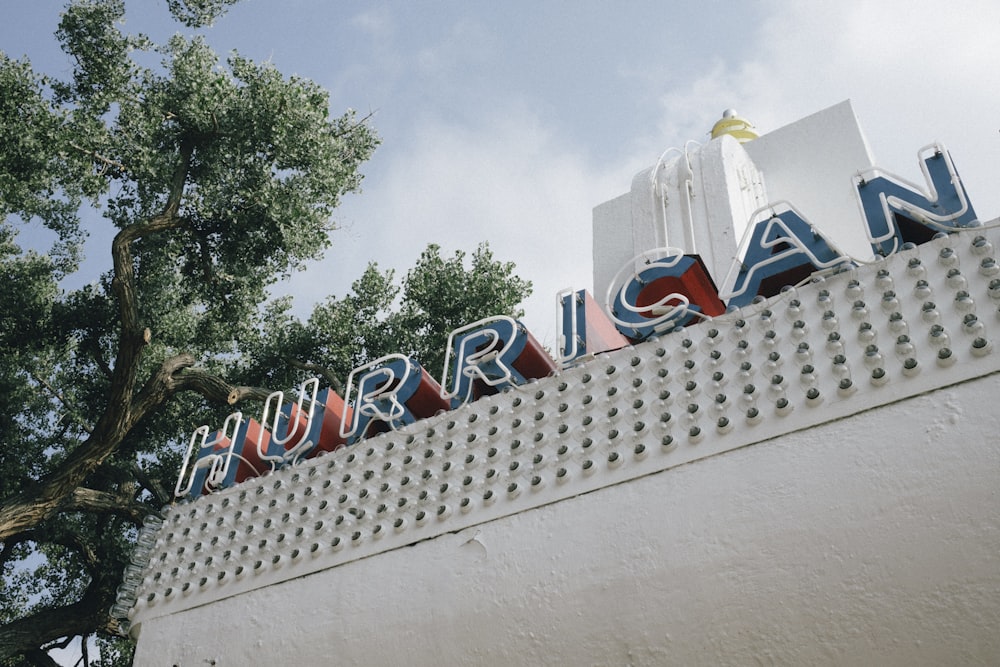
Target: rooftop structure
799,472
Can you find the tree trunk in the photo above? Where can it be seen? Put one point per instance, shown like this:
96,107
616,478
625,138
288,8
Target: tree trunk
90,613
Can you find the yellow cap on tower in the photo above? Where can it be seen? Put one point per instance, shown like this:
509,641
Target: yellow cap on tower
739,128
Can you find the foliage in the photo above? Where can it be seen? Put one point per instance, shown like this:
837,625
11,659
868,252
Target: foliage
378,317
215,178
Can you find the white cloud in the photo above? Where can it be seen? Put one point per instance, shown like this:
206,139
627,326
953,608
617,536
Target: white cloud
506,181
463,43
375,21
915,71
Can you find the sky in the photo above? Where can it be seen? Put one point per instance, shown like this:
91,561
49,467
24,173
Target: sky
508,122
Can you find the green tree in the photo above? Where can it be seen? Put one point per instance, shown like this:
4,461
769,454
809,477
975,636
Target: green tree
380,317
215,178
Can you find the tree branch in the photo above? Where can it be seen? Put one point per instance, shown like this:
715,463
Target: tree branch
63,643
85,550
133,339
161,385
354,126
101,502
239,394
95,350
62,399
70,540
43,499
40,658
180,176
107,162
176,375
10,544
83,617
160,494
327,374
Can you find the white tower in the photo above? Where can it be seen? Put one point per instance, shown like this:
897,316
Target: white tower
700,198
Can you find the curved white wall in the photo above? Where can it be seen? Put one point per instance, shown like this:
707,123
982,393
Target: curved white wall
869,540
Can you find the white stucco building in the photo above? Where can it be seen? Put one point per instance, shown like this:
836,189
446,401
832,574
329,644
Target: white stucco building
809,479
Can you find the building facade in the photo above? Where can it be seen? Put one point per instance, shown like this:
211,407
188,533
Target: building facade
806,475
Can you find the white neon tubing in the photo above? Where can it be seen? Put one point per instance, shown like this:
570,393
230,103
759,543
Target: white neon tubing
790,239
657,255
366,406
654,181
472,368
687,187
567,350
290,453
214,462
203,431
461,357
930,194
217,474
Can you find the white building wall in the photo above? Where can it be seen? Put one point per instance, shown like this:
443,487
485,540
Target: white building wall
811,162
870,540
704,196
808,480
693,202
719,495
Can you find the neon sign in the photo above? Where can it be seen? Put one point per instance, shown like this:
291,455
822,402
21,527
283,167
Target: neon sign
491,354
388,393
897,212
391,392
784,248
671,290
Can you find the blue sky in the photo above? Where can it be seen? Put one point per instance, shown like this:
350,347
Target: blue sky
508,122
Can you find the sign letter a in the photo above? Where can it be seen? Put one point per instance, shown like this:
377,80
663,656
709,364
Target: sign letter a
783,250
